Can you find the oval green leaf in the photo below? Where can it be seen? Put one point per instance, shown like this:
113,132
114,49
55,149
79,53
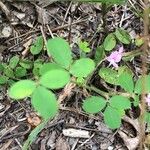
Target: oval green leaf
84,46
109,42
109,75
44,102
112,118
55,79
3,79
120,102
22,89
94,104
99,54
60,51
123,36
9,72
82,67
126,82
20,72
48,67
13,62
25,63
139,85
37,46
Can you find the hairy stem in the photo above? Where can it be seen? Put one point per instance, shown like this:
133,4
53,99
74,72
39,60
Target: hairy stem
144,71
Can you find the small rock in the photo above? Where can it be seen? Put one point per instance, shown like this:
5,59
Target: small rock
6,31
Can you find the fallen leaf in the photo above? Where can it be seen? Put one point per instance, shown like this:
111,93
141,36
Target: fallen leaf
33,119
62,144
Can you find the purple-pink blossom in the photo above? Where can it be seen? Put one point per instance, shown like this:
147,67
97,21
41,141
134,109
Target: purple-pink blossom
148,99
115,57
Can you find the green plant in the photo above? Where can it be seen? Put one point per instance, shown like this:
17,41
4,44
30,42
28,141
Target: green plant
52,75
59,72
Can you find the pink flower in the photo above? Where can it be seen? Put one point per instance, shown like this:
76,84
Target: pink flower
148,99
115,57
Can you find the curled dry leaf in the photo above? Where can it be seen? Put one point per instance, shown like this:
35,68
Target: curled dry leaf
5,31
33,119
131,143
62,144
26,46
66,92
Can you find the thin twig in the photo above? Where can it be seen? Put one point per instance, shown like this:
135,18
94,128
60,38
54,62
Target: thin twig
50,31
53,30
43,34
67,13
5,9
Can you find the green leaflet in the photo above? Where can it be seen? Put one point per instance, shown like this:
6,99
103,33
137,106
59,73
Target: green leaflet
22,89
55,79
93,104
60,51
112,118
44,102
82,67
109,42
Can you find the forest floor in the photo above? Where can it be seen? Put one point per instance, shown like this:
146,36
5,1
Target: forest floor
20,24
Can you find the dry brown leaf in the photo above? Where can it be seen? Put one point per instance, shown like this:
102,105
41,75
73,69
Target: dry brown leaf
33,120
62,144
43,16
147,139
26,45
131,143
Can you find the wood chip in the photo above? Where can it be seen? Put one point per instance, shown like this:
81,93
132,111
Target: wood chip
76,133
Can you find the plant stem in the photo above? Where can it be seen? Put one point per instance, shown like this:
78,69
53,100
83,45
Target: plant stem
98,91
144,71
107,95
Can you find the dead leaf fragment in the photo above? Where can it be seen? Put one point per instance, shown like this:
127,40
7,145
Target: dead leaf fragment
62,144
6,31
33,119
131,143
